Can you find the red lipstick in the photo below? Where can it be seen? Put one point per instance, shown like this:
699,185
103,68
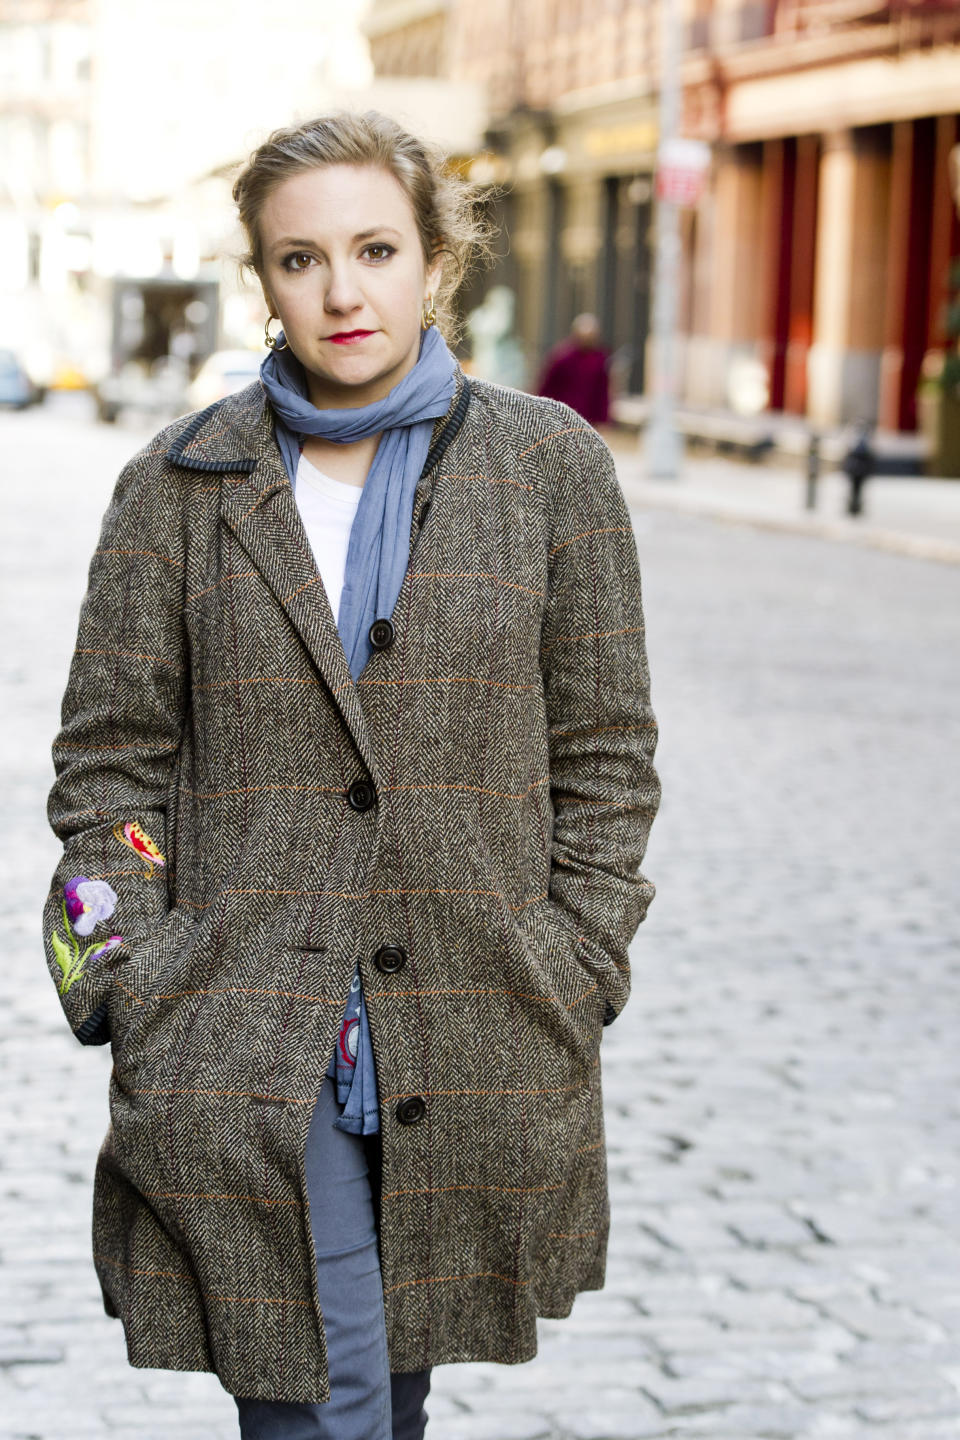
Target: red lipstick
349,337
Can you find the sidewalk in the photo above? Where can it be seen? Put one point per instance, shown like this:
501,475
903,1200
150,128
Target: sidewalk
909,516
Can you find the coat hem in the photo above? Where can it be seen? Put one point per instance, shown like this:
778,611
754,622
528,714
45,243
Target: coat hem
457,1355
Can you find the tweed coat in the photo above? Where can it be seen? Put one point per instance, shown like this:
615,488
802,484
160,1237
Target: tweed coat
479,799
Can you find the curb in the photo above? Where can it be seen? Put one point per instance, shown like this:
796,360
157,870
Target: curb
917,547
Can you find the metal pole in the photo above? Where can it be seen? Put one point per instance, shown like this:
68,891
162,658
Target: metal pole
813,470
663,450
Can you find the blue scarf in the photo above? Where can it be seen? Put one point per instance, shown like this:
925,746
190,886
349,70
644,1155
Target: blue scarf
380,537
377,557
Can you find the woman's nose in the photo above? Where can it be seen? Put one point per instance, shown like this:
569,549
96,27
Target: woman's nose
342,293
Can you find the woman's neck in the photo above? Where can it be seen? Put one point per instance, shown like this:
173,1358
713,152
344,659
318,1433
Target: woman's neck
349,463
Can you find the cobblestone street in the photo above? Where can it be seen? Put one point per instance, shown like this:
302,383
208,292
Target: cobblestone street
782,1091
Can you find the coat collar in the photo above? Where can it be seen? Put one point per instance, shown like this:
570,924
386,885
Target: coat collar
235,438
235,434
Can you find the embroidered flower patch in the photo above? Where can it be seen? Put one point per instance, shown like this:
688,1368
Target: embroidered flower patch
134,835
85,904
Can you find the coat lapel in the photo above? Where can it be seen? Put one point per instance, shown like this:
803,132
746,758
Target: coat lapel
236,438
263,514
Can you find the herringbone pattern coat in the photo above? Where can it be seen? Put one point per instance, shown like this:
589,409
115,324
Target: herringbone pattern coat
507,739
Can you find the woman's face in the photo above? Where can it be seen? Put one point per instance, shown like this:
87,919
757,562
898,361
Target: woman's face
344,270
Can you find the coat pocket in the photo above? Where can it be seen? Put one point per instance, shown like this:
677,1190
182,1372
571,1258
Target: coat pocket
573,1013
149,961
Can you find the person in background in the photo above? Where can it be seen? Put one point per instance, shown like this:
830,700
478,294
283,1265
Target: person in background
575,371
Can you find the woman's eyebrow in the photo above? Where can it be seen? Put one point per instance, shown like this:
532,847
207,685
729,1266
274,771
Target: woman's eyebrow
287,240
380,230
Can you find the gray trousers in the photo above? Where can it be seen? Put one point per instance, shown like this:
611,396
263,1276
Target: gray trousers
366,1401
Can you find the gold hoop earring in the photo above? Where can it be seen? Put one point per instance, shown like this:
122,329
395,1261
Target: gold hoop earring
428,316
270,340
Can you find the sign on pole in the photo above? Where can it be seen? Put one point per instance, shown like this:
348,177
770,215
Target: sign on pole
682,167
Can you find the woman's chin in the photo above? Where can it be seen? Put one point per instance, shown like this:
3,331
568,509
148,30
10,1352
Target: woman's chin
362,377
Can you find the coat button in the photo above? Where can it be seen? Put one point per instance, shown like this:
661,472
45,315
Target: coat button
361,795
382,634
389,959
411,1110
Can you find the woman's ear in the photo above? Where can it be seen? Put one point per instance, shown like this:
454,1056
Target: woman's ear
433,275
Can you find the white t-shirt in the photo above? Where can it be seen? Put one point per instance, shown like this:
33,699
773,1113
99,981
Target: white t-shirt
327,508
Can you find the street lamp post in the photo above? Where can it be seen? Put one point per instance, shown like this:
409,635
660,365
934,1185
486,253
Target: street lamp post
682,167
662,442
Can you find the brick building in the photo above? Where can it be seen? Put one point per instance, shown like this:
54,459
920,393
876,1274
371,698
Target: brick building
823,244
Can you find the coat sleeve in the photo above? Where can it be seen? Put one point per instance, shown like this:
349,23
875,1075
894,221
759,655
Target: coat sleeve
114,756
602,731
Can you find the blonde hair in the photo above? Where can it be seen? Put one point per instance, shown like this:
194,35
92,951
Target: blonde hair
444,204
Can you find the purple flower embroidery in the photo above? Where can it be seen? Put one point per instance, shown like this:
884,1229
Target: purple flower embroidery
110,944
75,905
88,902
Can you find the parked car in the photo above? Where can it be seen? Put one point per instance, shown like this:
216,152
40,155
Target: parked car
17,390
221,374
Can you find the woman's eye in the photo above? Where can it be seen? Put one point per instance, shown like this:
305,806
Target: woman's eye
298,261
379,252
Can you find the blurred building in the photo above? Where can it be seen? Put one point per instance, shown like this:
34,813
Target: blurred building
817,254
823,244
819,248
120,123
45,108
571,135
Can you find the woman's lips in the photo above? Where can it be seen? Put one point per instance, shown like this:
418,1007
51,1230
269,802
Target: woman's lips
350,337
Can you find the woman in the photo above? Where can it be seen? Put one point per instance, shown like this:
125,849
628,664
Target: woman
356,761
